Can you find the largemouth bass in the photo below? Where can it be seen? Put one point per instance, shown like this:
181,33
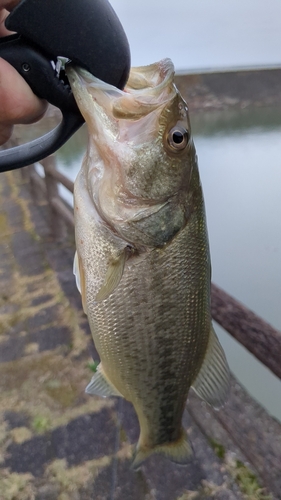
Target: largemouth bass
142,262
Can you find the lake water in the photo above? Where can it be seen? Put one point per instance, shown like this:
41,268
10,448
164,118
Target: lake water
240,167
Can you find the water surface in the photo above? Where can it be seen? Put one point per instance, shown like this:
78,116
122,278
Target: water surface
241,176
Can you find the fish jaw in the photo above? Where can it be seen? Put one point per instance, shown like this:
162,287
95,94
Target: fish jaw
123,116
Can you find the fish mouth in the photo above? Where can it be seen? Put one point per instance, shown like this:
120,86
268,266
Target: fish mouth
148,88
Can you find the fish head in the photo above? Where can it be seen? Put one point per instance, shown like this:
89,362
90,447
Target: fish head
140,153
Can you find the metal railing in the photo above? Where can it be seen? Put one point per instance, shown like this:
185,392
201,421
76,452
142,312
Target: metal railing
49,187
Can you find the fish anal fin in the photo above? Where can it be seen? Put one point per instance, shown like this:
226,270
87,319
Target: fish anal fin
113,275
178,451
79,274
101,386
212,382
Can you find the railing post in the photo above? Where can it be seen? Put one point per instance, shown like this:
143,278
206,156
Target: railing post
25,173
29,174
13,142
57,225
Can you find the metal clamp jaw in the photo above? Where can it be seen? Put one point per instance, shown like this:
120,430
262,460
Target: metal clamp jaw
86,32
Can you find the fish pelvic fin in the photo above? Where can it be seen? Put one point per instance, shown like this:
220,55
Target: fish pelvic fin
101,386
212,382
178,451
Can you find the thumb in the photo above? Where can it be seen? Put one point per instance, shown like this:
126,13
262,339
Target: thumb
18,104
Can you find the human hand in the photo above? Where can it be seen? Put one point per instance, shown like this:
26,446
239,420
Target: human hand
18,104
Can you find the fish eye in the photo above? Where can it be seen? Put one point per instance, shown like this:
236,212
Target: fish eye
178,138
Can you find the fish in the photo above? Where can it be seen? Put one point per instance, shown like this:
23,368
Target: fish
142,260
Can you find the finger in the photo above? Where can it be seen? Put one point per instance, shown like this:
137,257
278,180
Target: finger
8,4
18,104
5,8
5,133
3,29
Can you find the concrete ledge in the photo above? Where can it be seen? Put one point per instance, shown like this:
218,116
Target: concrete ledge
232,88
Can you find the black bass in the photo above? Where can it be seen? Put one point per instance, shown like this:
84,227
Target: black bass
142,262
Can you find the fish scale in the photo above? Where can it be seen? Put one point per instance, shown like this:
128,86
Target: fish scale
145,268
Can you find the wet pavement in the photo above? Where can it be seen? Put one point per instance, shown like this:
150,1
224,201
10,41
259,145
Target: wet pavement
56,442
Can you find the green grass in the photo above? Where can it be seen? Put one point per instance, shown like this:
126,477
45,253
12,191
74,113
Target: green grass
243,476
40,424
248,483
93,366
218,448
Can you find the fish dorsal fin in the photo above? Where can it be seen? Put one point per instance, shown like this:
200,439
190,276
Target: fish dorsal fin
78,272
113,276
101,386
212,382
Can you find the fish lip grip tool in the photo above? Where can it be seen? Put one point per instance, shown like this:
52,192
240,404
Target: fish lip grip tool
87,33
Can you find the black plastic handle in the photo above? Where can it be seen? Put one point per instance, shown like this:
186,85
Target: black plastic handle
26,154
39,73
89,33
35,66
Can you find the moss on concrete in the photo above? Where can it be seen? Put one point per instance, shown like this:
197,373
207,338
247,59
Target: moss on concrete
15,486
70,480
218,448
247,480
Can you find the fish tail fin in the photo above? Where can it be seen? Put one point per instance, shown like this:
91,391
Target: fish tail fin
178,451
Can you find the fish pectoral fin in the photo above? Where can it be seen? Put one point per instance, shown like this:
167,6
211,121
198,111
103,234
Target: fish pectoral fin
113,275
78,272
101,386
178,451
212,382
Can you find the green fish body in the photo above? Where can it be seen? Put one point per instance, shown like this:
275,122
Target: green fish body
142,262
